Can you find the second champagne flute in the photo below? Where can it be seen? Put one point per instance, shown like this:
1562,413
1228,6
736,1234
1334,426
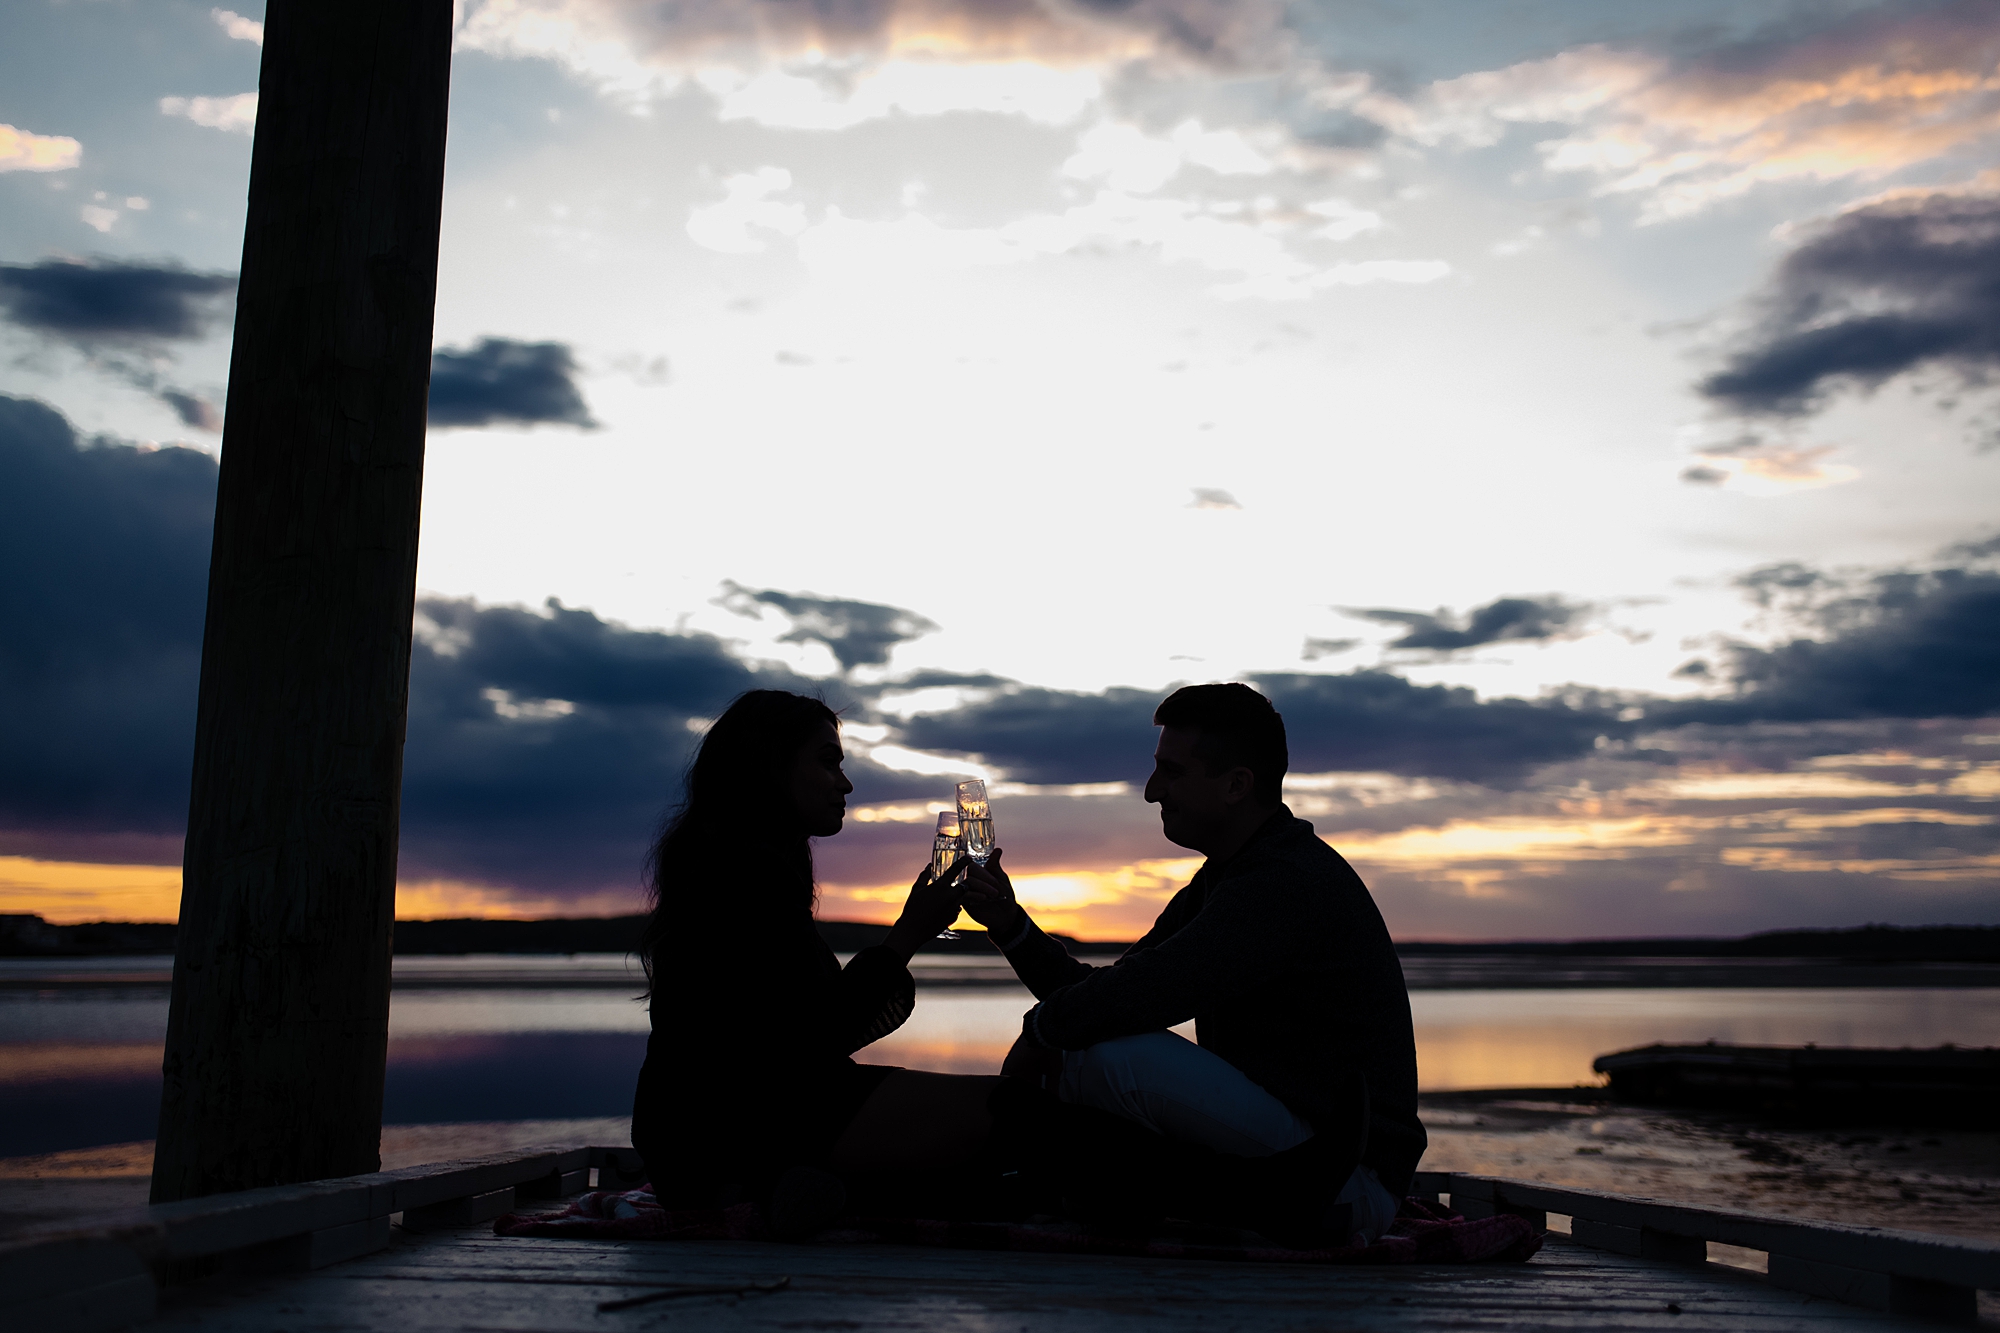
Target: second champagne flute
946,848
975,818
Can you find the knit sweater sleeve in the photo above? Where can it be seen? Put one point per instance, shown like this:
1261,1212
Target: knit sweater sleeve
871,997
1204,947
1042,964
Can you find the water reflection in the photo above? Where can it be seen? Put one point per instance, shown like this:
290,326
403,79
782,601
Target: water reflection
1542,1039
1531,1039
80,1067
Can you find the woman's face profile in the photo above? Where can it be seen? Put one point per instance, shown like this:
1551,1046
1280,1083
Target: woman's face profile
819,788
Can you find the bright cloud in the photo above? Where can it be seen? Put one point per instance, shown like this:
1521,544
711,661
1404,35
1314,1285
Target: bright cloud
22,151
242,29
1127,159
808,67
1344,220
1863,101
236,114
828,66
1759,467
1251,242
819,97
746,205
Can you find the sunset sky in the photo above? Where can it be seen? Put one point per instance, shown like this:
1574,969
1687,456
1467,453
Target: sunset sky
1579,418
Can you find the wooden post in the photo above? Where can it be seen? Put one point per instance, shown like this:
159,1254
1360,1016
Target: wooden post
278,1032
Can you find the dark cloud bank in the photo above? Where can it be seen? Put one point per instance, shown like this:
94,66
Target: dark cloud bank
110,308
856,633
1876,292
124,317
107,301
1525,619
1903,644
499,382
543,745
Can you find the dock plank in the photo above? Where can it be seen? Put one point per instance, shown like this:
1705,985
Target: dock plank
470,1281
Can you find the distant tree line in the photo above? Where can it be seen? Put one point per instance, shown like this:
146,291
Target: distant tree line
28,936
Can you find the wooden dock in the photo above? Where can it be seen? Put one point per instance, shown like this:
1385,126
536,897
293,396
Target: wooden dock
413,1252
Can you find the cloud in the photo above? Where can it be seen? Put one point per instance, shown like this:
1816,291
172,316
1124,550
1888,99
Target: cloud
193,410
1126,158
91,302
1047,736
1207,497
544,745
1883,289
1378,722
828,65
122,317
501,382
1370,721
22,151
237,114
1251,241
1863,98
242,29
746,203
1506,619
1315,649
106,551
1923,643
856,633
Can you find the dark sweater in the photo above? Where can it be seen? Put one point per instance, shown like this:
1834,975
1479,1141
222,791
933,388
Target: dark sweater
748,1069
1280,957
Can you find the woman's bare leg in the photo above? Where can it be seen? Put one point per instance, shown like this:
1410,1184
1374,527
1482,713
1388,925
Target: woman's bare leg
917,1121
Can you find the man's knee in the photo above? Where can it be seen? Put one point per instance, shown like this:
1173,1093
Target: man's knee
1033,1064
1112,1074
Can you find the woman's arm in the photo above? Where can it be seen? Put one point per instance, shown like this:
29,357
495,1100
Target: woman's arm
930,908
874,994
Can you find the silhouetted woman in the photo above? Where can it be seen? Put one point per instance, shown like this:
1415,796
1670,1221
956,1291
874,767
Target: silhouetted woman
749,1091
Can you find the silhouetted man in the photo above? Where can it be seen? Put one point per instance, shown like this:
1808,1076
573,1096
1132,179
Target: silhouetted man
1275,949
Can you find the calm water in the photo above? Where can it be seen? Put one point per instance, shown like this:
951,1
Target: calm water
521,1039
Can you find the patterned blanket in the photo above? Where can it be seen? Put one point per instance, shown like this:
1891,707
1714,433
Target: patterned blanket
1421,1234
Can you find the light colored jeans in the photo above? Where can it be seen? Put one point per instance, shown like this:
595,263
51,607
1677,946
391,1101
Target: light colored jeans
1184,1093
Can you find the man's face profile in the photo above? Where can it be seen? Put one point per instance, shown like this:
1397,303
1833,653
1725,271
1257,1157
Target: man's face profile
1194,806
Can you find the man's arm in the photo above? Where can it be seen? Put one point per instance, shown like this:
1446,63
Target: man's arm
1205,946
1042,964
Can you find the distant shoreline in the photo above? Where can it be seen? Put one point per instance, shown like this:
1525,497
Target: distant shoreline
26,936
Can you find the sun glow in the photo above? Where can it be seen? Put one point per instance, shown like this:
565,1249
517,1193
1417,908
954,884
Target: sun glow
1116,903
66,892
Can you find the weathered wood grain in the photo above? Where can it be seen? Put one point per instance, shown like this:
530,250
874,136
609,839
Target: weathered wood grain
471,1281
278,1028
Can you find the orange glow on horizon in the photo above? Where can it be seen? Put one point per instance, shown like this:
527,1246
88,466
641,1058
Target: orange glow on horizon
65,893
1116,903
440,899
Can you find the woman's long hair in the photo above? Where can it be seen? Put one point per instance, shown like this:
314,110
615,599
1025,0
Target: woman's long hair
733,853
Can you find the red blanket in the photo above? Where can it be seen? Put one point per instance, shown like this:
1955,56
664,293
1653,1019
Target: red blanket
1421,1234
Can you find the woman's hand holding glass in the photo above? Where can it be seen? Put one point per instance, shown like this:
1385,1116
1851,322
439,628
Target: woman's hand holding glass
932,905
988,895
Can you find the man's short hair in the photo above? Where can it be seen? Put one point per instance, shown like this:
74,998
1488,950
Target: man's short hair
1235,727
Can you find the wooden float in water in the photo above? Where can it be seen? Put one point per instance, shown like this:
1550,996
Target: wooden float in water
1942,1085
411,1250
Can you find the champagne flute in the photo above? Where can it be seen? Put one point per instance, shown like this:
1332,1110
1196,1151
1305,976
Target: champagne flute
946,848
975,819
